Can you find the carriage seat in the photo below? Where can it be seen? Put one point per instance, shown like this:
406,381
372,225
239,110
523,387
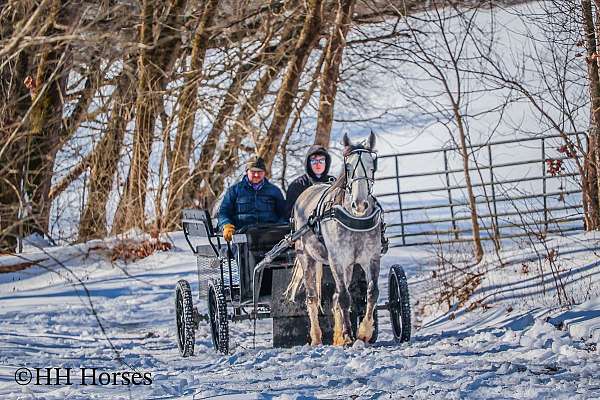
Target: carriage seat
262,237
259,240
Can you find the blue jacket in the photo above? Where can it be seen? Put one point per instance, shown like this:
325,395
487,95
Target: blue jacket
243,205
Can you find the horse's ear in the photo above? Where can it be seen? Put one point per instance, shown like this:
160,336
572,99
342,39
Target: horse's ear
372,141
346,141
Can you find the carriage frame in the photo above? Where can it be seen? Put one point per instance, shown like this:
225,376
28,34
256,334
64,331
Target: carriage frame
228,282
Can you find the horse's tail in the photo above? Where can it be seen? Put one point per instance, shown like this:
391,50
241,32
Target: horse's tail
295,282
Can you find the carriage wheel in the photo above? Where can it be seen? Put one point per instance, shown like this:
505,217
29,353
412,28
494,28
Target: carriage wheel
217,313
184,315
399,304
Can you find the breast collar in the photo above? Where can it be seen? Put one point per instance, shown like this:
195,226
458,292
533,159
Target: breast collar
349,221
327,211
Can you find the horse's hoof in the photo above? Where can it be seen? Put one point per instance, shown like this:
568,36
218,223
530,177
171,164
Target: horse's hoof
348,341
345,341
316,337
365,331
365,339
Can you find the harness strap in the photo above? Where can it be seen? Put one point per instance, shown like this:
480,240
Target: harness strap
356,224
315,218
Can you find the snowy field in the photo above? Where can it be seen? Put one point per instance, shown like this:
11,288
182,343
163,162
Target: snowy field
78,310
513,338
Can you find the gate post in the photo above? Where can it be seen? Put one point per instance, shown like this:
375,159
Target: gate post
450,195
545,199
399,200
492,183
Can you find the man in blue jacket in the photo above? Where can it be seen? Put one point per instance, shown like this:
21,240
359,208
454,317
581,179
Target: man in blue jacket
253,200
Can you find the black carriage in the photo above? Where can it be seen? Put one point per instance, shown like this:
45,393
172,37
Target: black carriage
238,283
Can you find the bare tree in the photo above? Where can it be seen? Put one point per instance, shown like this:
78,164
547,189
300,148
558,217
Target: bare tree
440,53
179,172
202,174
227,162
105,157
330,76
283,105
557,94
590,175
155,60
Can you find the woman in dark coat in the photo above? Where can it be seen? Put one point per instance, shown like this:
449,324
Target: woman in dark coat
317,166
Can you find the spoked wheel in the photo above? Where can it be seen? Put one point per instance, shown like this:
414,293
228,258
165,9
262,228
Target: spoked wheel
217,313
399,304
184,314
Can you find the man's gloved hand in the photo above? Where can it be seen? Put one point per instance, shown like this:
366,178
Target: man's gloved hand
228,231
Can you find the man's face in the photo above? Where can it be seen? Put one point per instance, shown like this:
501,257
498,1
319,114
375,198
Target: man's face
317,164
255,176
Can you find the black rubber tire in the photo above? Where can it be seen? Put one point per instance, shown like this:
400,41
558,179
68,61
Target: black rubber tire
217,313
184,317
399,304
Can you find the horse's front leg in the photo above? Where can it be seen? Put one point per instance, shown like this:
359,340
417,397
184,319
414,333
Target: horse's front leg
342,328
366,327
312,300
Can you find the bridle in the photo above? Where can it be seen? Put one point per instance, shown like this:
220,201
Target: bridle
351,171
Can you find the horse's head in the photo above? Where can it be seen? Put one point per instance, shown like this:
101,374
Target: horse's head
361,163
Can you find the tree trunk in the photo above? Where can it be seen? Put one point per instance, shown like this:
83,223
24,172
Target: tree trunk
590,179
104,161
131,210
72,123
203,171
227,161
471,196
330,76
285,97
12,160
179,174
45,123
154,63
301,104
15,103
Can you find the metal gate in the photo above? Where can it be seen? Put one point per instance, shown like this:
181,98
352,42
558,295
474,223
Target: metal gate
522,187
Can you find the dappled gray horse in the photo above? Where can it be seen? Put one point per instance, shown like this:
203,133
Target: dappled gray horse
353,237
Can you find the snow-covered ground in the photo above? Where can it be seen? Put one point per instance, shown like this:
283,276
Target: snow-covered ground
529,329
77,310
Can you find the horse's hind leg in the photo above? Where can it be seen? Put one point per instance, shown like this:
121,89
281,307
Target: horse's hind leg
365,329
313,300
342,330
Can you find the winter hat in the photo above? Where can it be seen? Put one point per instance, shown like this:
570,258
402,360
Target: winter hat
256,163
